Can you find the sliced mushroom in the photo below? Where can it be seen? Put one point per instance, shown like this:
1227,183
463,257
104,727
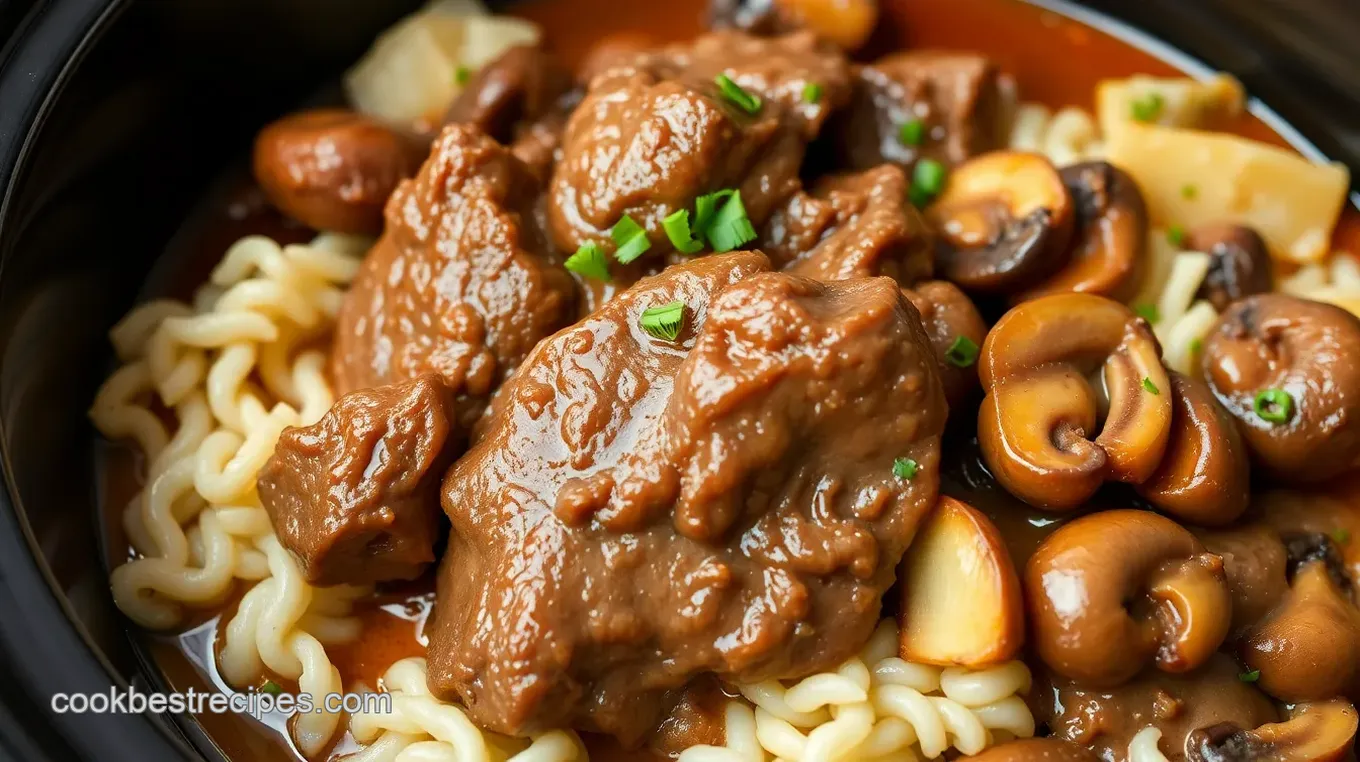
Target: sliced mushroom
956,330
1204,475
523,84
847,23
1287,370
1038,423
1316,731
1005,220
1111,234
1114,591
1036,750
1308,648
1239,264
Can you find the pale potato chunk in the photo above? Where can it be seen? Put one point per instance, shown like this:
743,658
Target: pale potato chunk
1178,102
1190,178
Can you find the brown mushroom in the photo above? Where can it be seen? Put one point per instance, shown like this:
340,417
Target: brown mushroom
1004,220
1036,750
1308,648
1239,262
956,332
1204,475
1288,371
524,83
1256,564
847,23
1111,234
1040,412
1316,731
333,169
1114,591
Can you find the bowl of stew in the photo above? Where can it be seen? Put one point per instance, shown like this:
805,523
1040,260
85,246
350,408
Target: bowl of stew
790,380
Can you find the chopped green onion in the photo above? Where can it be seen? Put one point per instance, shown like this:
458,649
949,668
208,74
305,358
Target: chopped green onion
462,74
912,133
1196,345
905,468
1189,191
706,205
1176,235
677,229
812,92
1249,677
1341,536
271,687
630,239
1148,312
1273,405
1149,386
1148,107
589,261
729,227
664,322
962,353
927,180
746,101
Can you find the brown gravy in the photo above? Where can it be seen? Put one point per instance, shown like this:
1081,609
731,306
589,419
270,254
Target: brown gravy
1036,46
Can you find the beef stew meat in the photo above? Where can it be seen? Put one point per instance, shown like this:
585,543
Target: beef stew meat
658,510
461,283
355,496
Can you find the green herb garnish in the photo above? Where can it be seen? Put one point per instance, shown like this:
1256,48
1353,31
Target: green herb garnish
912,133
462,74
1273,405
1249,677
729,228
812,92
271,687
706,206
589,260
927,180
1341,536
1148,107
1148,312
905,468
663,322
1176,235
1196,345
1189,191
677,230
962,353
1149,386
630,239
734,93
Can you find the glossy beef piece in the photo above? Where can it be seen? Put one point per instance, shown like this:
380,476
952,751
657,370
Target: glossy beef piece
948,315
522,85
355,496
852,226
333,169
961,98
640,512
458,285
653,133
1107,720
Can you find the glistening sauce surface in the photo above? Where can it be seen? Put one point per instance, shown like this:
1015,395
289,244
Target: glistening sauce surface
1038,47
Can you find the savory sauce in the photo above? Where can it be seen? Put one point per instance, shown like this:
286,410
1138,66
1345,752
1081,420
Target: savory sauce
1038,47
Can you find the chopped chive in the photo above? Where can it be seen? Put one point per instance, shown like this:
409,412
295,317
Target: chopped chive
1189,191
1249,677
912,133
271,687
630,239
734,93
812,92
589,261
905,468
1149,386
1147,108
677,230
1341,536
1176,235
706,206
663,322
1148,312
1273,405
962,353
1196,345
927,180
462,74
729,228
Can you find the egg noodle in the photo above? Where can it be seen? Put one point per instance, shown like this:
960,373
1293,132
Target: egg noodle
1143,747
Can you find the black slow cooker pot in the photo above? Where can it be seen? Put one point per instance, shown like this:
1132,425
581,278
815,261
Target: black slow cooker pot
115,115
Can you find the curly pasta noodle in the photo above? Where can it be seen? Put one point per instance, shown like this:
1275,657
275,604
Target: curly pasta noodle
1143,747
1335,281
421,728
1067,137
232,370
876,707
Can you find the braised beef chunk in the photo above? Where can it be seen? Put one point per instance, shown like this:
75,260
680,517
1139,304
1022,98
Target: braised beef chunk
641,512
852,226
956,330
459,284
355,496
654,132
960,101
524,84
